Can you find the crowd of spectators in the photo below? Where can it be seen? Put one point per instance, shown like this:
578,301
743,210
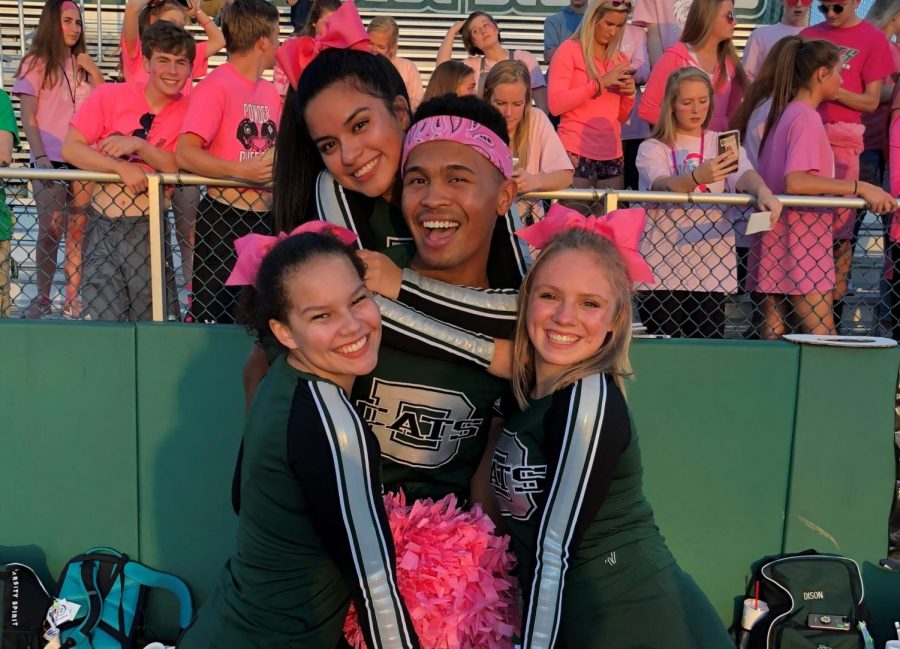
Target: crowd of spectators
636,95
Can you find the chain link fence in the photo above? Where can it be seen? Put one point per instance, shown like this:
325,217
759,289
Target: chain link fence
83,247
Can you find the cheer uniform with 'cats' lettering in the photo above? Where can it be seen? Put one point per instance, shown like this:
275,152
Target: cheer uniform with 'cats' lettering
594,569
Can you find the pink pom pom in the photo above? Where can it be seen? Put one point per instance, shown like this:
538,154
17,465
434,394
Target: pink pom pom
453,574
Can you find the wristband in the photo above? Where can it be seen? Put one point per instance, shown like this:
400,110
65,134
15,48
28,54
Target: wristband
38,157
856,187
203,25
694,178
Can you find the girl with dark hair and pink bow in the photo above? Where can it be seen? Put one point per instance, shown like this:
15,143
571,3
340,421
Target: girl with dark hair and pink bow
312,532
566,472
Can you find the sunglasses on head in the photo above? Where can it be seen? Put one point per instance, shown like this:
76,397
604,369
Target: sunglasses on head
620,4
804,3
837,8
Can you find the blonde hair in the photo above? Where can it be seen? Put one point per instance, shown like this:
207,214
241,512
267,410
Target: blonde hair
697,27
665,129
513,72
386,25
612,355
585,34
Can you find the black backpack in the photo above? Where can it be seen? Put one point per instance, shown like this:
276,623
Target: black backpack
23,607
815,602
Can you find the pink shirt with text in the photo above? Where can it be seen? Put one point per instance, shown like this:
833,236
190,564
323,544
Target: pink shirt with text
589,126
236,118
122,109
866,58
133,65
55,105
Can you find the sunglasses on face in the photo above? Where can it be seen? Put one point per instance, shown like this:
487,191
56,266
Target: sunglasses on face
838,9
729,17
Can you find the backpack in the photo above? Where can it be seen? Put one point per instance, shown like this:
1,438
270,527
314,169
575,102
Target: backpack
23,606
102,594
815,602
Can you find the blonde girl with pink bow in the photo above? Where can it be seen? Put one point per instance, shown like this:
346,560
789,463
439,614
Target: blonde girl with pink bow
566,471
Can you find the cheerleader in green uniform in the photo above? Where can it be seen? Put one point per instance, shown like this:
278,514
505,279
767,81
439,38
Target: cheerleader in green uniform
566,472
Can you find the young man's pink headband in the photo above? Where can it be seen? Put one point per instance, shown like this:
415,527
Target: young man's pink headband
449,128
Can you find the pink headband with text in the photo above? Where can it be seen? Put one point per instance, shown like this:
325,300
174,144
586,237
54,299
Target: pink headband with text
449,128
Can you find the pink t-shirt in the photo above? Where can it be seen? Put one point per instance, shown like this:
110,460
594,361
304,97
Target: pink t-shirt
589,126
668,14
634,46
867,57
693,249
55,105
760,42
680,56
537,77
876,122
546,154
237,118
411,79
894,165
122,109
133,65
795,257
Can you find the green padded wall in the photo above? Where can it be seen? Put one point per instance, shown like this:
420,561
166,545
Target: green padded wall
715,423
843,471
68,451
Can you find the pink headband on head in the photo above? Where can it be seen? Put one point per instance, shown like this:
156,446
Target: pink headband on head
623,227
449,128
68,4
252,249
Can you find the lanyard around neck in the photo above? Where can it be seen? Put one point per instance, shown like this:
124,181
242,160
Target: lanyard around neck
675,161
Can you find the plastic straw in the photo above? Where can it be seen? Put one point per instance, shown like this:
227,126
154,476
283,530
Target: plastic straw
756,595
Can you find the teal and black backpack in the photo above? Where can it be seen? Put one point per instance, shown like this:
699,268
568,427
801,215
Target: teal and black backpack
109,590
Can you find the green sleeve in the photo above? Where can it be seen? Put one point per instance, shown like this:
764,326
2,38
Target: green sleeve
8,117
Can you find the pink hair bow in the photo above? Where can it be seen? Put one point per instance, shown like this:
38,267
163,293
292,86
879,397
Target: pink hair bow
344,30
252,249
623,227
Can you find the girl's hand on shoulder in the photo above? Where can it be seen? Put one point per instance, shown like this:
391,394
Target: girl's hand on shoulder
525,182
383,276
879,200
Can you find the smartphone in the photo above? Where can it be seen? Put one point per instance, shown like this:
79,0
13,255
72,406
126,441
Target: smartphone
629,72
515,162
828,622
729,141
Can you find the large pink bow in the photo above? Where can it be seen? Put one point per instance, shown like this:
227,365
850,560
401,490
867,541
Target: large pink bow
623,227
344,30
252,248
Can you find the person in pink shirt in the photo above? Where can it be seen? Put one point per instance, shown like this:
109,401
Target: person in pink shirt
52,81
691,250
384,36
795,16
229,129
635,130
664,21
540,160
792,264
481,38
867,61
140,14
706,43
128,129
592,90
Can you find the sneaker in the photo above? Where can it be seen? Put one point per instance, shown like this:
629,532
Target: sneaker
39,307
72,309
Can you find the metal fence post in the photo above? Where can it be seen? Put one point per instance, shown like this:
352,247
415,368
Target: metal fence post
611,201
22,27
157,247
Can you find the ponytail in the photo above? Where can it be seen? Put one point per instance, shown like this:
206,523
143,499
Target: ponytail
760,90
799,61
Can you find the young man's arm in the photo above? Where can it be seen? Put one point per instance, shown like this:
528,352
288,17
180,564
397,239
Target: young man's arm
191,156
118,146
78,152
867,101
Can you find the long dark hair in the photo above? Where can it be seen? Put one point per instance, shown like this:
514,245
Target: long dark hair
799,61
760,90
297,161
49,48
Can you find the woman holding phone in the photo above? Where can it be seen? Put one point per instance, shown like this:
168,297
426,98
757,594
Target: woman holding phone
592,90
692,250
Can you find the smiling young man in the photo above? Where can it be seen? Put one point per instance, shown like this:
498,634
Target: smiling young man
128,129
432,415
867,61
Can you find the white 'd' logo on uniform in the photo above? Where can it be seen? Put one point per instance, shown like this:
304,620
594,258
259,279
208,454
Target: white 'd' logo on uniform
513,480
419,425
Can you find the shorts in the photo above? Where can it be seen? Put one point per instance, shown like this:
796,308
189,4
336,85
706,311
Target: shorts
594,170
218,225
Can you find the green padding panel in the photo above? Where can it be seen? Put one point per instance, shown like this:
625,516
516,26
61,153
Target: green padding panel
843,472
67,441
190,422
715,422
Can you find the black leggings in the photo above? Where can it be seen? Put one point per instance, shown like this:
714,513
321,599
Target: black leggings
683,314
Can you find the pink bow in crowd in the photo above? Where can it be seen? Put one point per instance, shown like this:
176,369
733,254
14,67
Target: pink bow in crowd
252,248
344,30
623,227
